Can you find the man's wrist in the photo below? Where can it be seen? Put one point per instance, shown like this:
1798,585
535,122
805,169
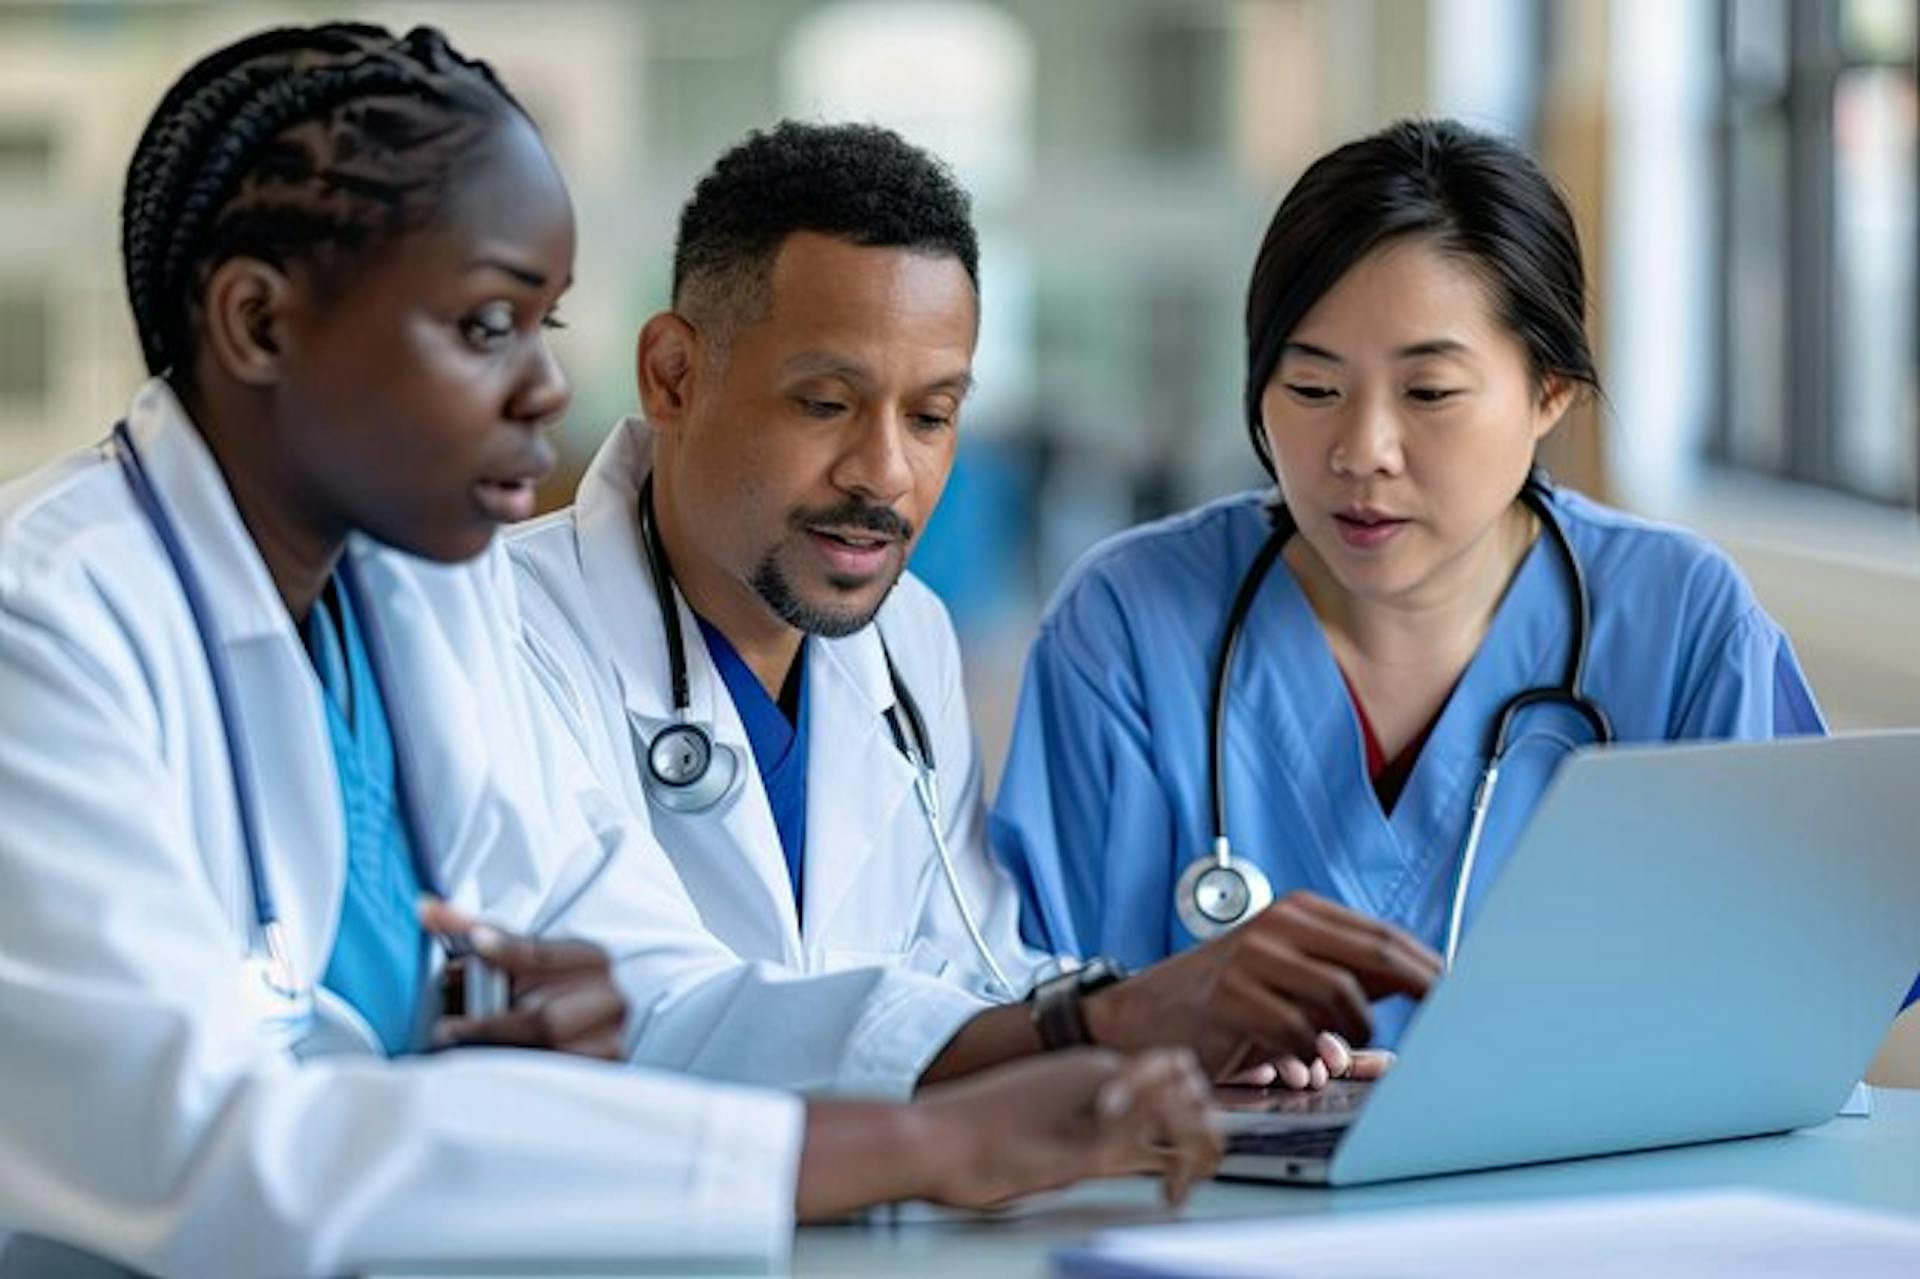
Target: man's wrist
1104,1012
915,1133
858,1153
1059,1006
932,1143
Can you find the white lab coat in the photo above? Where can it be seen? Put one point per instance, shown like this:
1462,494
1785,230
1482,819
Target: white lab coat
873,888
146,1117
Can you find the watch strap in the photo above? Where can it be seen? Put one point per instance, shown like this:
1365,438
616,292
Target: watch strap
1058,1012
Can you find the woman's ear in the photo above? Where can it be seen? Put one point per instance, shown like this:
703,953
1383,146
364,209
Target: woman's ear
1555,398
667,360
244,316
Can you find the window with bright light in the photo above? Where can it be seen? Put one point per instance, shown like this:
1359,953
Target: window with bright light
1819,158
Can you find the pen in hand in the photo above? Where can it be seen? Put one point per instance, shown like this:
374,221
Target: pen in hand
483,987
534,993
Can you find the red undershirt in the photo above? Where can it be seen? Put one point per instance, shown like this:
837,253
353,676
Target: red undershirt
1389,777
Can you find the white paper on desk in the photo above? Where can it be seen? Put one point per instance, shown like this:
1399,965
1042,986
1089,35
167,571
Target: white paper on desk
1719,1234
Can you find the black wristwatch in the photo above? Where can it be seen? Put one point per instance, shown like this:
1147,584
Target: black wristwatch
1057,1013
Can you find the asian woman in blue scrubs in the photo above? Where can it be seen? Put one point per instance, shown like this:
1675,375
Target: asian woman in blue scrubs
1415,328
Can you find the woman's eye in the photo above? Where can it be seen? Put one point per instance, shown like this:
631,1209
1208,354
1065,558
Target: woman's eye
553,320
489,325
1310,393
1431,394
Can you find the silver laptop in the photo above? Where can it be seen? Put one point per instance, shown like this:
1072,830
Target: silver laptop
1749,912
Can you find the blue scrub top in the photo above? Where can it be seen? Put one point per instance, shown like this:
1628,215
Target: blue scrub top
379,958
1104,800
779,746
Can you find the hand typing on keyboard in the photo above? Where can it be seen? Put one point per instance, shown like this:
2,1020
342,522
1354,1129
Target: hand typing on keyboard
1333,1059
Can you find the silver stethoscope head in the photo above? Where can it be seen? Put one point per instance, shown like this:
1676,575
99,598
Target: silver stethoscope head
1219,892
687,771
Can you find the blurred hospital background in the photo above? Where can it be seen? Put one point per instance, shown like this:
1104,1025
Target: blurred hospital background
1744,173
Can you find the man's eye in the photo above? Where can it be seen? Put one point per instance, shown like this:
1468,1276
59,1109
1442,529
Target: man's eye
820,408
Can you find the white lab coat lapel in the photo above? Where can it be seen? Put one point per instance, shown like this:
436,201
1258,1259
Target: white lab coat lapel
857,779
738,837
440,744
278,697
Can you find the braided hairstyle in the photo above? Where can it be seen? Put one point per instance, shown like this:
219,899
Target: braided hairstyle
319,143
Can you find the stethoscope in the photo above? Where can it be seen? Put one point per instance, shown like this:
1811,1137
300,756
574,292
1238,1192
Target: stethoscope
688,772
278,972
1222,889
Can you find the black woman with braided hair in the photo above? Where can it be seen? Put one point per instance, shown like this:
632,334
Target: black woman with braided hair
262,696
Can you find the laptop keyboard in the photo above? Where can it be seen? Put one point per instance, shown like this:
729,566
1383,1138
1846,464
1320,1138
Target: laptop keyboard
1297,1143
1341,1097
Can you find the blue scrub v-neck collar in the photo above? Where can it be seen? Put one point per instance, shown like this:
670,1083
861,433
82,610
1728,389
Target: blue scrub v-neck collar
378,961
325,634
779,745
1379,858
770,732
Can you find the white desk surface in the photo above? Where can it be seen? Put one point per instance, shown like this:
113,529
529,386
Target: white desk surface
1869,1163
1873,1163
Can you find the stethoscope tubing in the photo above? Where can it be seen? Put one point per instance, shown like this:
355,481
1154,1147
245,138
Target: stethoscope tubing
1536,493
266,909
1250,583
905,724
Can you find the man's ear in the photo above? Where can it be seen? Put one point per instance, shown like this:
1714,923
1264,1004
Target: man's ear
245,319
667,359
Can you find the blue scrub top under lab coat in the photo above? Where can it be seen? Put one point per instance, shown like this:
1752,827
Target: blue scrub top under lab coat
779,747
379,957
1104,799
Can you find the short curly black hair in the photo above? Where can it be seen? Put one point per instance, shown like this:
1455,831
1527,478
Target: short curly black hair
855,182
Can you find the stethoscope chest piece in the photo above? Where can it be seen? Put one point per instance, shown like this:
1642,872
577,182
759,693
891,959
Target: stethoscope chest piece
686,771
1219,892
680,755
1220,889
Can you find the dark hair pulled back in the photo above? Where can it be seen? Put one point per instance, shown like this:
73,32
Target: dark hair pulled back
1474,196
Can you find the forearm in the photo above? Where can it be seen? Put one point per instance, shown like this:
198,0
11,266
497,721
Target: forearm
857,1154
995,1036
